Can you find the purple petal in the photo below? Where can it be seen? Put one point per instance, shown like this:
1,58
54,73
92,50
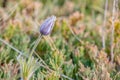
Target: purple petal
47,25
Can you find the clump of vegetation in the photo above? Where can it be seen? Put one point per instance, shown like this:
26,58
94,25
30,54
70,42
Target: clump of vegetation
82,45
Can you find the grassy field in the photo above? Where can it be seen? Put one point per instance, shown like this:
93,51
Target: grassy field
83,45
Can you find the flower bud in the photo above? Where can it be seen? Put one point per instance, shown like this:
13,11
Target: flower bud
47,26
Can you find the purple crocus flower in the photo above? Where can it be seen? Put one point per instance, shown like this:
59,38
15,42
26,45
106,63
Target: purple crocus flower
47,26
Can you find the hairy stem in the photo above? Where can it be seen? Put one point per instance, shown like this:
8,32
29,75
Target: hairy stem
112,29
104,25
36,44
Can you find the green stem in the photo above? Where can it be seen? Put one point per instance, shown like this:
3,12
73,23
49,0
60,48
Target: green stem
36,44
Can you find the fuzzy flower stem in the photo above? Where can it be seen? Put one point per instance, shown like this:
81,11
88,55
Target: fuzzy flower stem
36,44
112,29
104,24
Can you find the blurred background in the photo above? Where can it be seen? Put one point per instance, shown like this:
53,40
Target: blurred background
77,34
